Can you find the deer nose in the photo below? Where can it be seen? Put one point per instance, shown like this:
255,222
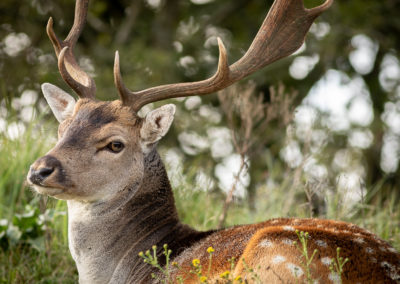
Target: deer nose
37,176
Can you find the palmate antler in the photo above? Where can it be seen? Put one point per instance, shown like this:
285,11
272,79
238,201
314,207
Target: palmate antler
282,32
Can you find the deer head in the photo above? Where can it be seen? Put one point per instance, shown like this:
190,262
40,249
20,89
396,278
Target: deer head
100,149
102,145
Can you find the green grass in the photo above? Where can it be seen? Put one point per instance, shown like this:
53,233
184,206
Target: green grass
52,263
26,265
15,159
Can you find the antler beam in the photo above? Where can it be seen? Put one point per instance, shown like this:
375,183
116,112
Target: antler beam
282,32
70,71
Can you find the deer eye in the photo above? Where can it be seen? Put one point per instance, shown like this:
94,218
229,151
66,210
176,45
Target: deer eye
115,146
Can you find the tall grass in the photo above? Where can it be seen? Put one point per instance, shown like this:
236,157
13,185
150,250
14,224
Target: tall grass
15,158
20,262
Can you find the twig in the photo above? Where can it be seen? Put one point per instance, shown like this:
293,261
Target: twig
229,196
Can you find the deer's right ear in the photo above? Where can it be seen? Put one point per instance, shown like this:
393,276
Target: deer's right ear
156,125
61,103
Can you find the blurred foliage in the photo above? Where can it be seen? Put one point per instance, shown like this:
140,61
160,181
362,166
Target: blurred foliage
169,41
26,228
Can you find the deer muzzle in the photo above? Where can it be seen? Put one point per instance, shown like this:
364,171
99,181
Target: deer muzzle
47,175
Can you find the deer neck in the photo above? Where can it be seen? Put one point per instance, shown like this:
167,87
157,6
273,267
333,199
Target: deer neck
106,237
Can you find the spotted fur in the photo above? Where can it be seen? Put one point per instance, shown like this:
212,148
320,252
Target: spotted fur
269,248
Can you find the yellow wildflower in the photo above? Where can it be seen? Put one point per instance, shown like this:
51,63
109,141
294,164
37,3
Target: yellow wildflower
196,262
210,250
225,274
203,279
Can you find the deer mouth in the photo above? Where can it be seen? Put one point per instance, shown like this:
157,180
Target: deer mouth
43,185
48,177
47,190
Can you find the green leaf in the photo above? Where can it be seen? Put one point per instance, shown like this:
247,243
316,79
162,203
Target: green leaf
14,234
38,243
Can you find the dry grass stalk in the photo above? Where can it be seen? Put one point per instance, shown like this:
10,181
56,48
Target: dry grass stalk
248,118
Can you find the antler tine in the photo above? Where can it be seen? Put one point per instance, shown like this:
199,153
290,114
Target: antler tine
69,69
138,99
124,93
321,8
282,32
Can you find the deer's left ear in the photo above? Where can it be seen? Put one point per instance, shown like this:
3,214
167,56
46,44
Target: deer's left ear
60,102
156,124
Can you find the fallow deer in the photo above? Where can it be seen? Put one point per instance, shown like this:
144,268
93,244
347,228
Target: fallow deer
106,166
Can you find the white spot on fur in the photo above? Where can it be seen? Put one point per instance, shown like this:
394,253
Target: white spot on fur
274,221
288,228
369,250
346,232
266,243
278,259
390,270
295,270
373,260
287,241
334,277
383,249
326,261
395,276
392,250
387,264
296,221
359,240
320,226
367,232
321,243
